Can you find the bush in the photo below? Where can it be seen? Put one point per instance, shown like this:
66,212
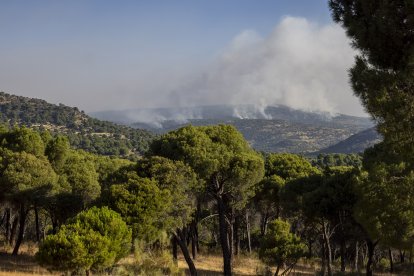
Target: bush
280,247
384,264
154,261
92,241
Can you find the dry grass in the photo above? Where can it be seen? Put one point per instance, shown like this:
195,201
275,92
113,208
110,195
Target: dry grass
20,265
24,264
243,266
213,265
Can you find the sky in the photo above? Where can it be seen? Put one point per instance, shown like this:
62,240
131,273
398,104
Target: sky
113,55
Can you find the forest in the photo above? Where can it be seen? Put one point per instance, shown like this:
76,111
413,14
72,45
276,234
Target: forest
196,189
202,190
83,131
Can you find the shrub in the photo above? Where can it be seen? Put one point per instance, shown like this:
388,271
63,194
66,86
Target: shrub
280,247
92,241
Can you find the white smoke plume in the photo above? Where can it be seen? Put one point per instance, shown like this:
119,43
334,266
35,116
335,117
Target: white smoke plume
300,64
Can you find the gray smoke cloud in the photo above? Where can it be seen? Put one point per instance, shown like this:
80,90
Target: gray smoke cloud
300,64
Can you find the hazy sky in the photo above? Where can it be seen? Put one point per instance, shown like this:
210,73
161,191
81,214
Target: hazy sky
100,55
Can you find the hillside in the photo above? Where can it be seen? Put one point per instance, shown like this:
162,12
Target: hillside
269,129
84,132
355,143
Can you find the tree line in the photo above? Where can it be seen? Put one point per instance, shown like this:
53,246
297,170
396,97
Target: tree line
83,132
202,187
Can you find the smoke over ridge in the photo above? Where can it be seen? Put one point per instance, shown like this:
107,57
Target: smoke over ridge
300,64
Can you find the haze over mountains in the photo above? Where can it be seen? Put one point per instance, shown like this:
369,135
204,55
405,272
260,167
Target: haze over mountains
267,128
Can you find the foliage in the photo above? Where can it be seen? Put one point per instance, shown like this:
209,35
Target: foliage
280,247
83,132
337,159
142,204
23,139
94,240
26,178
218,152
382,76
181,182
288,166
385,200
155,261
57,151
82,177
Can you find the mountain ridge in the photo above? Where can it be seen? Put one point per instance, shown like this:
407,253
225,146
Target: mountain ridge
83,131
268,129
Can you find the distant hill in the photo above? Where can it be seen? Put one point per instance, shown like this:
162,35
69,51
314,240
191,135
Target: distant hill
269,129
355,143
83,131
157,117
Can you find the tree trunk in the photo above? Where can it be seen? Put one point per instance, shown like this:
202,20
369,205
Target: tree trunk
180,237
236,235
310,243
37,224
343,251
8,224
323,259
371,248
54,225
263,226
174,248
277,270
402,256
13,229
249,243
195,245
329,257
20,236
224,239
327,247
391,261
231,233
193,248
356,256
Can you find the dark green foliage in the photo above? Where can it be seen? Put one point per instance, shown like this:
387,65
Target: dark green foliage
23,139
385,199
81,175
94,240
26,178
382,76
215,152
280,247
337,159
83,132
334,198
143,205
57,151
382,29
182,184
288,166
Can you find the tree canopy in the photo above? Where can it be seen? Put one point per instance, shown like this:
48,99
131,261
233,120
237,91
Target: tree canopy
92,241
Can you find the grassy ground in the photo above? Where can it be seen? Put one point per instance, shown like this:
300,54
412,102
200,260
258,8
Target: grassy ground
243,265
25,265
